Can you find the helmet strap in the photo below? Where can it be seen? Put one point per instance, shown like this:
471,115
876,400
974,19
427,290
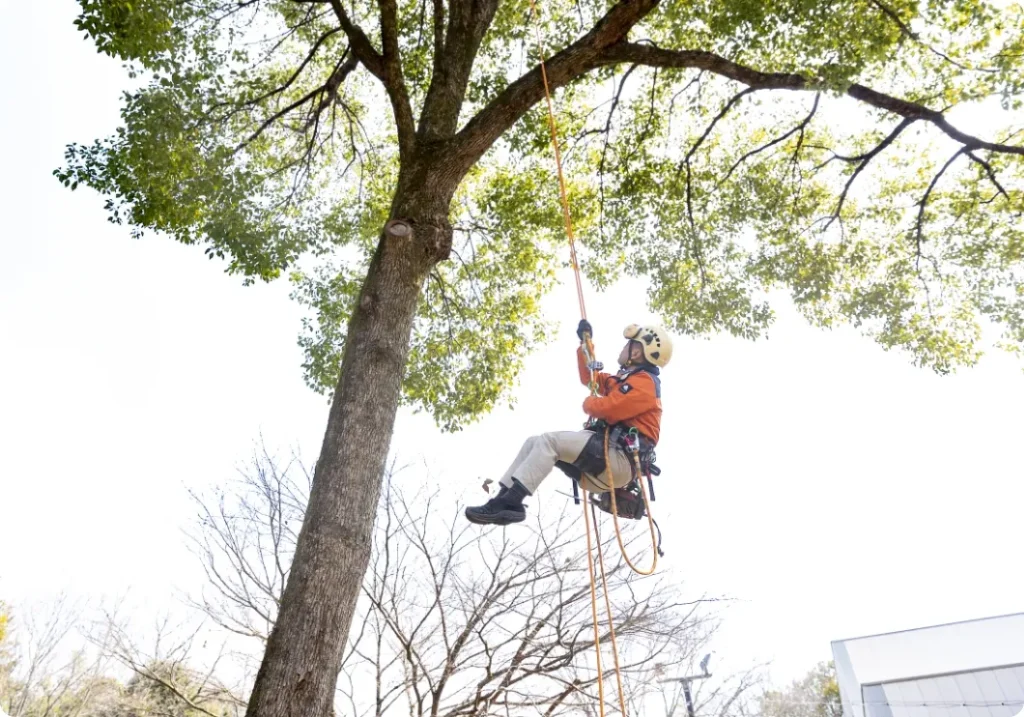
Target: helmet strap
630,362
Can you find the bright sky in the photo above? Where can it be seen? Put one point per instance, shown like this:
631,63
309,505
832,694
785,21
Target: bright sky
831,488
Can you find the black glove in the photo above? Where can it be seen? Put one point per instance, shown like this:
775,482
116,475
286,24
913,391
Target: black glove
584,328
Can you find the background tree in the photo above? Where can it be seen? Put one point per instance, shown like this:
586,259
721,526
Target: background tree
816,695
731,697
6,655
746,146
41,672
56,665
452,623
164,679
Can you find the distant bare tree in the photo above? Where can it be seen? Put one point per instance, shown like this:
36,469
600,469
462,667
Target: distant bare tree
60,660
164,680
245,538
730,697
46,673
454,621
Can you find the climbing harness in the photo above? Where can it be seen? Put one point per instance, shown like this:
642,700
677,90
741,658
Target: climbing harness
634,436
629,499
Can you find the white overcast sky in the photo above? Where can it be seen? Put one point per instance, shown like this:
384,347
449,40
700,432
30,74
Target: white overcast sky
830,487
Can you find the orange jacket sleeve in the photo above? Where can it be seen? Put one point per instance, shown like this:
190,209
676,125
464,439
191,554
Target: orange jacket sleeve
581,359
636,395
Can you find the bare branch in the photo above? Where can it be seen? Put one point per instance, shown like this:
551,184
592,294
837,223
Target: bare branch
891,14
298,70
393,78
607,133
862,162
360,43
327,92
919,222
990,172
778,140
648,54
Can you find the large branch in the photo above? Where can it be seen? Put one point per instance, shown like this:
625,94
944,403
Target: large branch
514,101
650,55
386,66
606,45
454,56
360,43
394,80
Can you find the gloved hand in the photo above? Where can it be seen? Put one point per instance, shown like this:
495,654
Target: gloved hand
584,328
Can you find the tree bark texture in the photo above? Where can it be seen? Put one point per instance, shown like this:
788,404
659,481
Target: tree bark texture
299,672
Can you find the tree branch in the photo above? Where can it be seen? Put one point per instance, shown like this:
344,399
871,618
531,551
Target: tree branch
438,35
781,138
891,14
647,54
919,223
393,78
607,138
516,99
719,117
386,66
361,45
862,162
454,56
327,90
990,172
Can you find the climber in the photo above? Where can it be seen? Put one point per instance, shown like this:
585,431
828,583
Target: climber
628,399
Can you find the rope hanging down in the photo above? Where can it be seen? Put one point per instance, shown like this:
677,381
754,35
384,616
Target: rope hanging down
589,349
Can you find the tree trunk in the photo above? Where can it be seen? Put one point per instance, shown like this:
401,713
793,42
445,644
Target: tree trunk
303,656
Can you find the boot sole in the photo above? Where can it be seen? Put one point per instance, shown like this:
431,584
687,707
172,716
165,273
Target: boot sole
505,517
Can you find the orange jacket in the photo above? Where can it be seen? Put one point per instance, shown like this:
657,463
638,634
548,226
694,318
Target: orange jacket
632,397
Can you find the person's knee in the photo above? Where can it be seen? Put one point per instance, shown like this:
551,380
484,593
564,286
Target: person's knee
550,440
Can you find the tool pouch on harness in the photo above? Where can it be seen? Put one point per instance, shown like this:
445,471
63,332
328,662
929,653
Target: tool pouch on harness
629,501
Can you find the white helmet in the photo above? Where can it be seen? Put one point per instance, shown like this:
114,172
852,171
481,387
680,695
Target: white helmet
655,341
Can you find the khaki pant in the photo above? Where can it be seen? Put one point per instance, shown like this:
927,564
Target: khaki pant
538,455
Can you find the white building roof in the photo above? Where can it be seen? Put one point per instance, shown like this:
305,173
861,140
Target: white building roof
963,669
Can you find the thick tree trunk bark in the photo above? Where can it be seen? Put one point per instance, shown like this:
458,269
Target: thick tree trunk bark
300,667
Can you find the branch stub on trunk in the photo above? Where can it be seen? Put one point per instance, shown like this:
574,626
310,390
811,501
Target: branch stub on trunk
398,228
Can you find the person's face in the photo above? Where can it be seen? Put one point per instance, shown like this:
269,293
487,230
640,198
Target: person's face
630,352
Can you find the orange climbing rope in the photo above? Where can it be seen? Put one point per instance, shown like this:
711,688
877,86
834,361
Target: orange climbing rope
607,604
563,193
589,349
615,509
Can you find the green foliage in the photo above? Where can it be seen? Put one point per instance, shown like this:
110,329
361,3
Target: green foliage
175,690
7,662
5,618
247,137
149,31
478,312
75,686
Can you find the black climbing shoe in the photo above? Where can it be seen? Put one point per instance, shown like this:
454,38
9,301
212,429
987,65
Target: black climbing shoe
504,508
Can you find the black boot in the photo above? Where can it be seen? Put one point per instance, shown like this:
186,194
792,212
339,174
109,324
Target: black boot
504,508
